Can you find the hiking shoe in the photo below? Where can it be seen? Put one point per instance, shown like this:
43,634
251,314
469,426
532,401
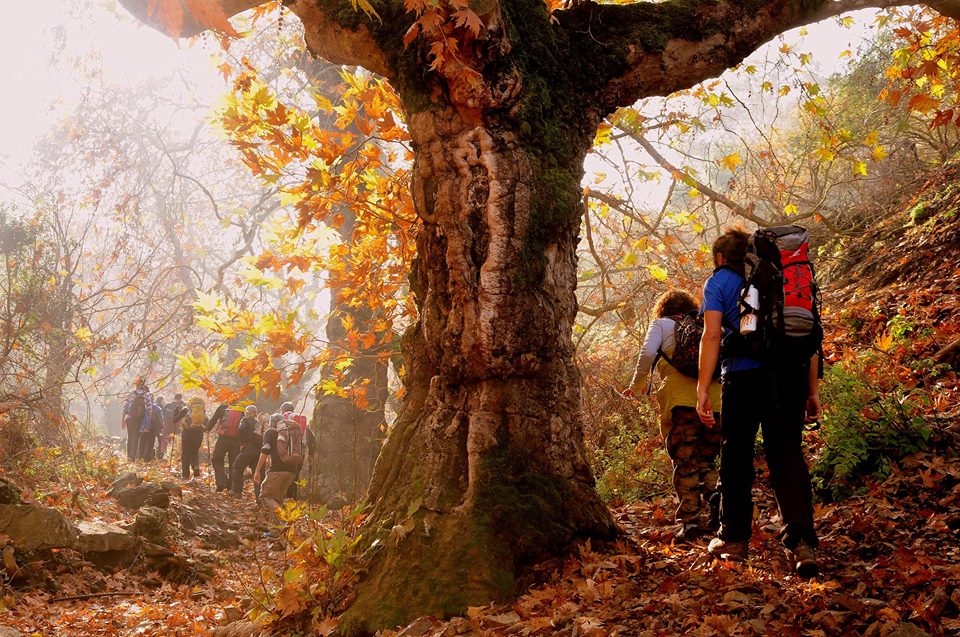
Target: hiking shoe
734,551
803,560
689,532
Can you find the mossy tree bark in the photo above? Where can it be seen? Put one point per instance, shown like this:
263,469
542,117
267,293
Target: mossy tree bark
485,471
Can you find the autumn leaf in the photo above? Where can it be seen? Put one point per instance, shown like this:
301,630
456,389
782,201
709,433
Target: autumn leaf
885,341
730,162
658,273
470,21
326,627
922,103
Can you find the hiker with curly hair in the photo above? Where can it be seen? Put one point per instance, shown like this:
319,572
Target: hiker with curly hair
692,447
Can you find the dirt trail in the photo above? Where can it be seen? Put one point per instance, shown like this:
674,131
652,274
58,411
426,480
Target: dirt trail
218,545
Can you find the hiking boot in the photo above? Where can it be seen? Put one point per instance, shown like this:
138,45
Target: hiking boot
734,551
803,560
690,531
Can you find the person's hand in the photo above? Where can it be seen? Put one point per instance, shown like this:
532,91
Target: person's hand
627,393
705,409
814,409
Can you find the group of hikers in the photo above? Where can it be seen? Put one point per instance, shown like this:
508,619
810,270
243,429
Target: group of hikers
272,446
748,358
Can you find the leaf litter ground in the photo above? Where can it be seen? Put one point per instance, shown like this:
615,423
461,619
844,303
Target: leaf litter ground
890,561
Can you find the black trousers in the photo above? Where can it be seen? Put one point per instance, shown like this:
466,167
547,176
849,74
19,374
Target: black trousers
146,445
190,451
246,459
772,399
133,441
225,451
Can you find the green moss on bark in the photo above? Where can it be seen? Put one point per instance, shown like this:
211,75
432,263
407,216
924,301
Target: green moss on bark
446,564
524,508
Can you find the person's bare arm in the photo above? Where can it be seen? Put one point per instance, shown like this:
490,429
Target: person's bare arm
814,407
261,465
709,358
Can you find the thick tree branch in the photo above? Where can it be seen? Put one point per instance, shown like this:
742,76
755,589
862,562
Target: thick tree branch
648,48
154,14
326,36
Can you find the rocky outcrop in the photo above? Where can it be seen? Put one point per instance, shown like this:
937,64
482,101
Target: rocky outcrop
34,528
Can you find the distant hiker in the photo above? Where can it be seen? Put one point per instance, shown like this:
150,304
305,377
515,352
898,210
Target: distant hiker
137,411
192,419
672,342
308,438
770,381
250,443
170,410
284,448
226,420
148,437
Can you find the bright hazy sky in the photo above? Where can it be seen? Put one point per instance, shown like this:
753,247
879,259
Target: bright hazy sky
40,87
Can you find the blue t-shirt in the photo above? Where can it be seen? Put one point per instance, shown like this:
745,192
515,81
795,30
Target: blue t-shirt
721,293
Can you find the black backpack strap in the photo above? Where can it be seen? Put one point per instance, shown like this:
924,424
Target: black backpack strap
656,359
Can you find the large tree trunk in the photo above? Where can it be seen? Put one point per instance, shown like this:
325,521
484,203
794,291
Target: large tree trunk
485,470
348,437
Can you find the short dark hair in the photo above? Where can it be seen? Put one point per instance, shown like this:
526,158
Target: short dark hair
673,303
732,244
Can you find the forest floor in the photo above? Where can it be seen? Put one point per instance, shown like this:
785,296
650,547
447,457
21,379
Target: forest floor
890,555
890,566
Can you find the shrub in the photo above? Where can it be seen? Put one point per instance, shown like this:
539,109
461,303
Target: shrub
632,464
871,420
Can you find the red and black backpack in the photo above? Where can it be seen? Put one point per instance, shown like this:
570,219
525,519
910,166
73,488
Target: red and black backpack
778,265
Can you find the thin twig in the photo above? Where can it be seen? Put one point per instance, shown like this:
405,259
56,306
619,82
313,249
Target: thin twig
69,598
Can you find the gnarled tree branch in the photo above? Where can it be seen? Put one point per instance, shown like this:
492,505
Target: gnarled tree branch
659,48
326,36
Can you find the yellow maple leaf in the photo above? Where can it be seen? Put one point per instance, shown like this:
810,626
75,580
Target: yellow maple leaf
884,342
731,161
658,273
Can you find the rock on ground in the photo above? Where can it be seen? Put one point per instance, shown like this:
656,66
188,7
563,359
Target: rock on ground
148,493
125,480
36,528
9,492
101,537
152,524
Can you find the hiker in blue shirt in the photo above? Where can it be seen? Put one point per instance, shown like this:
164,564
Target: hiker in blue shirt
777,394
